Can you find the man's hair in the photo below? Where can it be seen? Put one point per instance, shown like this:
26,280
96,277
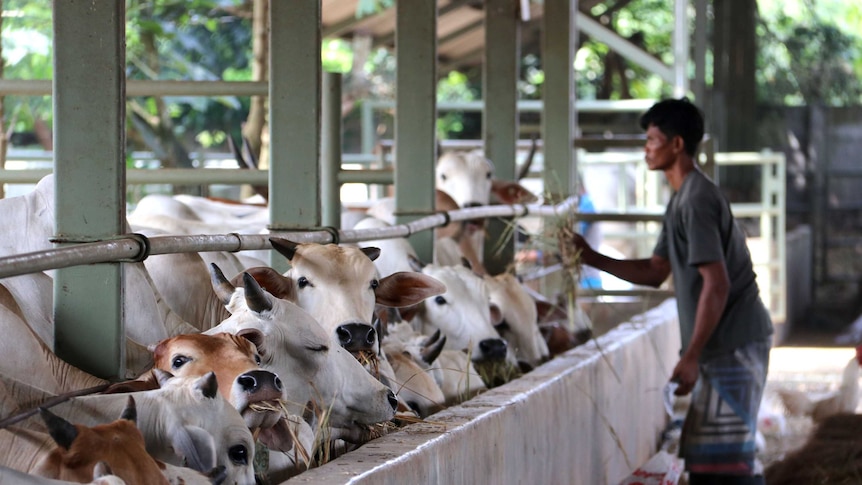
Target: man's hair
676,117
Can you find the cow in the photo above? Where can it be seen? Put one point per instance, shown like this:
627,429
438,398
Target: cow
464,314
311,365
339,286
414,386
101,475
119,444
28,359
256,393
30,218
519,324
185,421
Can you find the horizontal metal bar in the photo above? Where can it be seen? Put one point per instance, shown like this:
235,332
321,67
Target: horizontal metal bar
533,105
43,87
136,247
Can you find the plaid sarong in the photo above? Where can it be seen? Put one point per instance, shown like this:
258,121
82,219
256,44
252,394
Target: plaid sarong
719,429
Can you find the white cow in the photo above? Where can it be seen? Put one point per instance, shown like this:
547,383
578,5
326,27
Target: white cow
28,221
464,314
519,325
299,350
183,421
339,286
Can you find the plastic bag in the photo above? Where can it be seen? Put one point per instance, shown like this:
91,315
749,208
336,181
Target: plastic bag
662,469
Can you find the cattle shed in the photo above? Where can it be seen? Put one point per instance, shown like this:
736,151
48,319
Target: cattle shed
590,416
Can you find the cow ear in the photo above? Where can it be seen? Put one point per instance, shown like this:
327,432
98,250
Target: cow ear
223,288
254,336
271,280
405,288
130,413
511,192
496,314
372,252
62,431
102,469
408,312
208,385
285,247
195,445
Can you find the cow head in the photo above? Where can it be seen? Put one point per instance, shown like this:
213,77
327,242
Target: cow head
464,314
118,445
302,352
339,286
519,324
235,359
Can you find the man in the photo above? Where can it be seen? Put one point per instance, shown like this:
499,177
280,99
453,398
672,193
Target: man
724,326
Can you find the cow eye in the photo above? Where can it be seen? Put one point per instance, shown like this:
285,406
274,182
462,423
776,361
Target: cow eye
488,176
179,361
257,359
443,177
440,300
319,348
302,282
374,284
238,454
502,326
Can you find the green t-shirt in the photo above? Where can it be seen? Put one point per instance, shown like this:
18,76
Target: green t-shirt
699,228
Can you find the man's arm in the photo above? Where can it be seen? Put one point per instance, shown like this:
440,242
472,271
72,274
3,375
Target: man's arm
649,272
710,307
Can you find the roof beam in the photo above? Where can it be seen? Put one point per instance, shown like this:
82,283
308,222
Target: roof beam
459,32
387,39
625,48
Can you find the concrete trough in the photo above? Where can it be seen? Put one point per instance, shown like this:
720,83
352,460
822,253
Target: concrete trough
589,416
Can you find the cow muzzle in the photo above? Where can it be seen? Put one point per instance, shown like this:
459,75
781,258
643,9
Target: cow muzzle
493,349
357,337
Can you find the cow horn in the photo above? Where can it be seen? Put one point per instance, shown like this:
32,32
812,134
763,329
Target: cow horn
208,385
130,413
162,376
416,264
255,297
525,168
62,431
222,287
372,252
432,347
285,247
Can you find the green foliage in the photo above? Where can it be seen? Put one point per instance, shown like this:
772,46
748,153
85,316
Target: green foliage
454,87
806,56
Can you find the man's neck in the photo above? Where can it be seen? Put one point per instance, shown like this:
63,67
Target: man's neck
677,172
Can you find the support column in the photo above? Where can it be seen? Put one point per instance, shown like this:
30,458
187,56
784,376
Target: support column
500,117
558,109
89,174
330,150
294,117
416,116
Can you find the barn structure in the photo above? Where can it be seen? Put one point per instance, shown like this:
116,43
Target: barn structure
591,416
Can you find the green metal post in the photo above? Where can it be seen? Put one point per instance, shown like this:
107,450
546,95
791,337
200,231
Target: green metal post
416,116
330,150
500,117
89,171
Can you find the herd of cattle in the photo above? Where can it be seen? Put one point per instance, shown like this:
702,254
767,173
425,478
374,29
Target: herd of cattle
237,372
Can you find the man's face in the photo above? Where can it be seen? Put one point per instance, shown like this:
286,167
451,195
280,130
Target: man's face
659,150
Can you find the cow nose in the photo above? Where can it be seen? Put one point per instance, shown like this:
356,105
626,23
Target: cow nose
356,337
256,380
493,348
393,401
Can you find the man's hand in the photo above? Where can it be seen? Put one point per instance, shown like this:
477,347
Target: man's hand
685,374
573,247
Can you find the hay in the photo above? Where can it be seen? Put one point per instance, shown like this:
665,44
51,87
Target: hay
832,455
